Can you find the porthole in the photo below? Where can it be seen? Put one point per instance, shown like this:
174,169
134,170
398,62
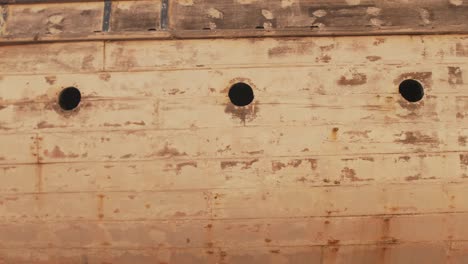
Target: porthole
411,90
69,98
241,94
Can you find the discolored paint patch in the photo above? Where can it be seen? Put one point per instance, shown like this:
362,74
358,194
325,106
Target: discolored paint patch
105,76
461,50
462,140
464,159
455,75
416,138
351,175
354,79
284,50
424,77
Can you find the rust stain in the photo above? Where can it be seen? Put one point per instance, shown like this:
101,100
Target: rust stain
44,124
111,125
50,79
356,79
170,152
56,153
275,251
179,166
244,113
334,134
101,206
127,156
230,164
455,75
141,123
373,58
333,242
324,58
404,158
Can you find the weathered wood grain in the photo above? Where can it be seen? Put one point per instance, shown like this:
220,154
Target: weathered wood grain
367,15
279,82
339,201
208,19
92,114
57,58
249,142
18,149
52,19
206,174
100,206
271,52
251,233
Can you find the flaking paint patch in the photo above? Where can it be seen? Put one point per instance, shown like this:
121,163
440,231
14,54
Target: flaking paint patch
267,14
185,2
456,2
287,3
353,2
455,75
215,13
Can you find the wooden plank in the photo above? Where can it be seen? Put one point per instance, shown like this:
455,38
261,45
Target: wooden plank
232,234
206,174
187,19
318,15
57,58
459,252
18,149
103,206
53,19
249,142
109,255
271,52
277,82
135,16
408,253
91,114
339,201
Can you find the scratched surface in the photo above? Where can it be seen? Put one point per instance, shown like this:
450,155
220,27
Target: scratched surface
328,165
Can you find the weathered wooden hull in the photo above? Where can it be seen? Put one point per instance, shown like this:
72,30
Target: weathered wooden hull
329,164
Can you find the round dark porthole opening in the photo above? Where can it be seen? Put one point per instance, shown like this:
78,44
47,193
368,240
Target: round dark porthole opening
241,94
69,98
411,90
